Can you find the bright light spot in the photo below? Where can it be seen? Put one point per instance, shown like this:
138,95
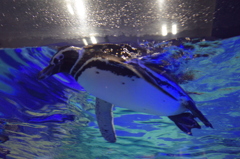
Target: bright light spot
174,29
164,30
93,39
161,4
161,1
70,9
81,10
85,42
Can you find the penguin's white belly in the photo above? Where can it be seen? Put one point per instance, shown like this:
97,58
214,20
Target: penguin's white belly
129,92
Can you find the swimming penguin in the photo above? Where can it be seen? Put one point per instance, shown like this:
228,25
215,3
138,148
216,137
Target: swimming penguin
129,84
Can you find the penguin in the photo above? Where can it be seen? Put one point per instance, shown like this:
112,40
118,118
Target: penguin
126,83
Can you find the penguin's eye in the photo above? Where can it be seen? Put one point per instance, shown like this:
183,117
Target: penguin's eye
60,57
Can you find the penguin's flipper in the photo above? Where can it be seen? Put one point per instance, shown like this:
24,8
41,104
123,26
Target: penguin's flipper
105,120
185,122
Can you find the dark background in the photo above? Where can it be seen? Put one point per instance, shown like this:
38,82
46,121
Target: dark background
226,22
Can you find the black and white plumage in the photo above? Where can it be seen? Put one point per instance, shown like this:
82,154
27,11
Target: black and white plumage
130,84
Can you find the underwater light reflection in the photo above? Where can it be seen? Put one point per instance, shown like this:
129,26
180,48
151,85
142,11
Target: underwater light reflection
93,39
77,6
174,29
164,30
70,9
81,9
161,2
78,10
85,41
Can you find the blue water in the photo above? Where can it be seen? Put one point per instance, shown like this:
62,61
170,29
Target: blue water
54,118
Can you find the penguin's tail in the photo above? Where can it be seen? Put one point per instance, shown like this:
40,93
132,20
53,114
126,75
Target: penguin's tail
192,107
185,122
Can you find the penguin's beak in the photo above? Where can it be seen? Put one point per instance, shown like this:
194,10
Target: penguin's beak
48,71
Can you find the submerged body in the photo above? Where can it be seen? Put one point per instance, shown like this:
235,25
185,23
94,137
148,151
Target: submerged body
128,84
129,92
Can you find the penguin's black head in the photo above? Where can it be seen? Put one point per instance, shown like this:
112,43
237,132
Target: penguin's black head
62,61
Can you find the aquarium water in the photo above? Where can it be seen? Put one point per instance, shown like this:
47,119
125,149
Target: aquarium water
55,118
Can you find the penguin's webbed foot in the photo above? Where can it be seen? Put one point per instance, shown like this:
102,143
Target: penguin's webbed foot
185,122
